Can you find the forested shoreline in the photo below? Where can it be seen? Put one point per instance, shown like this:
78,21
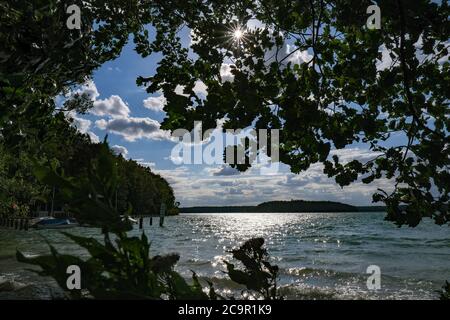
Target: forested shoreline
277,206
60,145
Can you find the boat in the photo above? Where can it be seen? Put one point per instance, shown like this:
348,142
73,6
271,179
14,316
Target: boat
53,223
130,219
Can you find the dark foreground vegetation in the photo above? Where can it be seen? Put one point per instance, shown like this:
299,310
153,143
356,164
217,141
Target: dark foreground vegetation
121,267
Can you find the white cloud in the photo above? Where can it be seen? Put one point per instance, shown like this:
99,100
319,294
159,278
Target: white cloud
90,89
147,164
226,170
134,128
229,192
82,125
120,150
192,37
193,187
179,90
176,159
113,106
94,137
349,154
155,103
297,56
386,59
199,88
144,163
225,72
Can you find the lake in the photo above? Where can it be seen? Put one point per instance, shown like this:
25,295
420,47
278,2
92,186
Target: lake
320,255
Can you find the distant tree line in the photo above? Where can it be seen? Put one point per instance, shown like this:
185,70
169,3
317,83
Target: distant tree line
278,206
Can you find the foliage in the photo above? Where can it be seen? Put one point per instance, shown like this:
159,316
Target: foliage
143,189
258,276
122,268
445,292
315,71
92,193
41,58
18,192
138,186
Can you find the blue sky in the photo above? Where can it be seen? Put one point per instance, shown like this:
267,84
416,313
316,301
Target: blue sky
124,112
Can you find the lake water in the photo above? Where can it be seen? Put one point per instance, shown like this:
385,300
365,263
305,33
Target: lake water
320,255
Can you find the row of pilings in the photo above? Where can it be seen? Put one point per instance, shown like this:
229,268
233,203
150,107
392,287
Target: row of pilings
15,223
24,223
141,221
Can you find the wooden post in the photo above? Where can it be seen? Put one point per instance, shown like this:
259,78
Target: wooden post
16,224
21,224
162,213
26,224
53,202
141,222
151,220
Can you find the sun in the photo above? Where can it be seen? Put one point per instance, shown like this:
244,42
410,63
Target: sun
237,34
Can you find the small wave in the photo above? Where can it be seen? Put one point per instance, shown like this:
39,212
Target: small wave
223,283
301,271
197,262
10,284
303,292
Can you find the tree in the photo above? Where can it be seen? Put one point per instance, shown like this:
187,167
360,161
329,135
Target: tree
41,57
311,68
18,188
143,190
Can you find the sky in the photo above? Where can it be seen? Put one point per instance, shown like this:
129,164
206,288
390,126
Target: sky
131,119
